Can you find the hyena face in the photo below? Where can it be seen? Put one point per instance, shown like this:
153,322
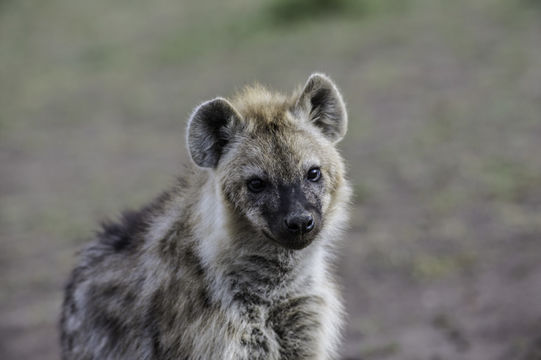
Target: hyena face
274,157
281,181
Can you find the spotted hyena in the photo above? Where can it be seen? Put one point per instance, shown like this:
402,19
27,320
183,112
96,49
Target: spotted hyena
233,262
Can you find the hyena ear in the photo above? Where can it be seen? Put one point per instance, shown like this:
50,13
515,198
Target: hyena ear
322,103
210,129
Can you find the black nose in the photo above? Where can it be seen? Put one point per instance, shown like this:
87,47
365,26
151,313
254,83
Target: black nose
300,223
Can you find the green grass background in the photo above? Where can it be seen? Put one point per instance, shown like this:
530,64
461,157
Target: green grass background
444,151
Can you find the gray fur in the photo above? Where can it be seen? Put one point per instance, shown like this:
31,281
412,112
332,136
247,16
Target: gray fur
203,272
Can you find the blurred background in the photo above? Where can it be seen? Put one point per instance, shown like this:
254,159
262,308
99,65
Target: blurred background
443,257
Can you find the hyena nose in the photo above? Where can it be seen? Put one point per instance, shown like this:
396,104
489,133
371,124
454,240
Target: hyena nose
300,224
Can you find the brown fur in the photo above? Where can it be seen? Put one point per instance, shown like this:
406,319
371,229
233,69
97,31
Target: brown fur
214,268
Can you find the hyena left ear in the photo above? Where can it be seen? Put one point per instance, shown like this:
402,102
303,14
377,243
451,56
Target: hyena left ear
322,103
210,129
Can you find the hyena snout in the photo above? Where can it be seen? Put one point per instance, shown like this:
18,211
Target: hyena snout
296,224
296,221
298,228
299,223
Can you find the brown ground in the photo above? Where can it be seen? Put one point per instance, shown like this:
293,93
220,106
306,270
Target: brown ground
443,259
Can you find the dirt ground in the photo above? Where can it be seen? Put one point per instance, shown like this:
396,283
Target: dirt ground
442,260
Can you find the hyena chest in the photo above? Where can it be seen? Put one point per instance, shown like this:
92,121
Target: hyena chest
243,330
284,330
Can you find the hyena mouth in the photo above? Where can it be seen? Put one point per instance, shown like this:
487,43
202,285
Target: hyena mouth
291,242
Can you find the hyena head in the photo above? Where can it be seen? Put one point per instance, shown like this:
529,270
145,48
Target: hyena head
274,159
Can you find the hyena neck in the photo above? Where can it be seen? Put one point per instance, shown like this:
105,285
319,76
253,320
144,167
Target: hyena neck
254,269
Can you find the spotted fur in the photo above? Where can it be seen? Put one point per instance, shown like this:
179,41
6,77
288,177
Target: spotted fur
209,270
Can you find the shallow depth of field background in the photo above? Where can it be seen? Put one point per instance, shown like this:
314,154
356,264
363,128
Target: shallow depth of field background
443,257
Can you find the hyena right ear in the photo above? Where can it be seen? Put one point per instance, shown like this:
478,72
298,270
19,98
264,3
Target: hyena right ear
210,128
321,102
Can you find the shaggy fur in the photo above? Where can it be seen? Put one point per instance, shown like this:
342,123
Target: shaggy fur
218,268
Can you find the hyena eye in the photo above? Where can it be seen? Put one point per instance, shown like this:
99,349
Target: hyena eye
314,174
256,185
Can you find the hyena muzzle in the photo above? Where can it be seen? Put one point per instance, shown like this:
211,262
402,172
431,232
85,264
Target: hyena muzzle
233,262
